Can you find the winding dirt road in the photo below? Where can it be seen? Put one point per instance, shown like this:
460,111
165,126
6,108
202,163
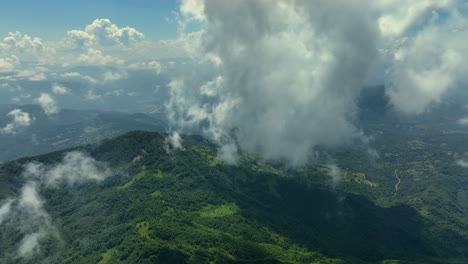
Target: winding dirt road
396,185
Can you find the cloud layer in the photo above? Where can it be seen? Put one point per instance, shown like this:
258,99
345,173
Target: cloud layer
99,65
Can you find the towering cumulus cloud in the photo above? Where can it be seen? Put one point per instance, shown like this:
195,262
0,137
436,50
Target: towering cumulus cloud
103,32
290,72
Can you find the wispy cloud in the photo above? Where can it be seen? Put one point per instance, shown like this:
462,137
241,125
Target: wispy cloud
75,167
48,104
59,89
26,213
335,174
462,163
173,142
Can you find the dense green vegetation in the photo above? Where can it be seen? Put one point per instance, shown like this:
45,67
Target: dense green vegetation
187,206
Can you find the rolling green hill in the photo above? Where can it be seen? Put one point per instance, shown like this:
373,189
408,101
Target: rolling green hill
187,206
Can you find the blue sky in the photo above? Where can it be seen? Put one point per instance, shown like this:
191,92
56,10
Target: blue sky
50,19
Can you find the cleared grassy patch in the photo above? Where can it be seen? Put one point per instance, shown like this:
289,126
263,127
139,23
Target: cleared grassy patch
143,228
219,211
156,194
109,257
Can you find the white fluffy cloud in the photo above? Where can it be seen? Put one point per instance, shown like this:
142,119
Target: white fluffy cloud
77,75
24,57
48,104
111,76
429,65
152,65
400,16
193,9
9,63
89,62
20,119
59,89
26,48
289,84
95,57
80,38
103,32
173,142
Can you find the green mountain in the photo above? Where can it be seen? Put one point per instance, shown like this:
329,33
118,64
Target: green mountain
156,205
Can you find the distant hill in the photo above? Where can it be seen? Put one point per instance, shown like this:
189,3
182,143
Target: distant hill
68,128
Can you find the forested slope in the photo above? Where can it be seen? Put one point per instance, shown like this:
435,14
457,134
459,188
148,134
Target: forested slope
157,205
